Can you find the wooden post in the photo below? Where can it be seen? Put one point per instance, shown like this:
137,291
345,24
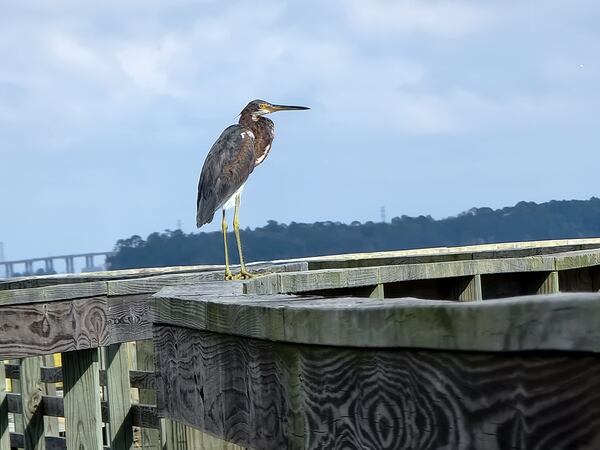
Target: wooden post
50,423
4,434
378,291
550,285
16,389
470,290
31,399
145,361
81,382
173,435
176,436
119,397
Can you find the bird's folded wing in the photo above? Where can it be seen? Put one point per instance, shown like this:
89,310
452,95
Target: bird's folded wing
227,166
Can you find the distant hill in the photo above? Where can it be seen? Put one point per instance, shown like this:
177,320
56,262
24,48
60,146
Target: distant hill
523,222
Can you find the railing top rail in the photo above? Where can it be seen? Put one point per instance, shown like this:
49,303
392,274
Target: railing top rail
566,322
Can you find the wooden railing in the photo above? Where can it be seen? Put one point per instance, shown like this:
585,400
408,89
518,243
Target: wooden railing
232,366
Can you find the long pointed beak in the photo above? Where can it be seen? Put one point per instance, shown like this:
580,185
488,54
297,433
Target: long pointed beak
287,108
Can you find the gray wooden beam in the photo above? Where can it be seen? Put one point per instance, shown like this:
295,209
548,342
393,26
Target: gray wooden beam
145,361
515,324
83,422
32,390
4,430
270,395
52,327
550,284
469,289
119,397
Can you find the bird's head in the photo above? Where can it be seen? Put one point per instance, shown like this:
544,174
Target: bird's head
257,108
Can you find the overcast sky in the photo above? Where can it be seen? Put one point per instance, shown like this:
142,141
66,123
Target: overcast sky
108,108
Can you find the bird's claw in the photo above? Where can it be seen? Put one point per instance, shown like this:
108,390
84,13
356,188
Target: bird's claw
243,275
229,276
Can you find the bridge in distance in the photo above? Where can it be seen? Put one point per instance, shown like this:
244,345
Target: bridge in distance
47,263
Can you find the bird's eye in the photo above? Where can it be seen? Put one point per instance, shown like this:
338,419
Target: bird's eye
263,106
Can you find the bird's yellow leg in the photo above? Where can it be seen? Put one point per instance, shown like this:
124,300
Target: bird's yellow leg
228,274
244,274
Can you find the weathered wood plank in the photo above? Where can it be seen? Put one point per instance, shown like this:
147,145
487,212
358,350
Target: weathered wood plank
378,291
52,293
62,279
176,436
60,326
145,361
271,395
142,415
83,421
468,289
153,284
575,260
549,284
17,440
16,388
129,319
143,379
583,279
439,254
119,397
4,431
569,322
50,423
316,280
503,285
32,390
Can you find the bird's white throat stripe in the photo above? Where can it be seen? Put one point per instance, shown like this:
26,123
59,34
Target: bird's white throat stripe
230,202
264,155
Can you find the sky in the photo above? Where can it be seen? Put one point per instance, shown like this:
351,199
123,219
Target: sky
108,108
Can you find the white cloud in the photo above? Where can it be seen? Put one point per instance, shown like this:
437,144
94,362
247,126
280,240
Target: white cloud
434,17
150,65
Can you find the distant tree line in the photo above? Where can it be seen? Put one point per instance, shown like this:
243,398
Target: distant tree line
522,222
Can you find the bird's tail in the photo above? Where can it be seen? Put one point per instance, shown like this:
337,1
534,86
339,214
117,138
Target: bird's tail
205,212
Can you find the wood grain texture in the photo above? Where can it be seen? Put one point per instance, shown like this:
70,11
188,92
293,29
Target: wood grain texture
145,361
468,289
142,415
569,322
550,284
4,431
143,379
17,440
83,422
316,280
585,279
50,423
119,397
129,318
52,293
44,328
274,396
176,436
438,254
153,284
32,390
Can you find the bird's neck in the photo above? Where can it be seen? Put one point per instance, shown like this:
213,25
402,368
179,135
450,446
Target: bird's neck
263,131
250,121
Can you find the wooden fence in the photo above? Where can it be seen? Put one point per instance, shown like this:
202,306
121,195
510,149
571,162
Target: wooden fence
324,352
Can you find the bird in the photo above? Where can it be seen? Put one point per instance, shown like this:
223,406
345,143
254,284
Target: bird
230,161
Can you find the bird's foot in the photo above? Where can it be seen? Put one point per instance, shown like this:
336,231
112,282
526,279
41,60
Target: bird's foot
243,275
229,276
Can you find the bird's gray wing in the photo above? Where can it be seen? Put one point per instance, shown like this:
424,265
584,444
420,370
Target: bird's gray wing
227,166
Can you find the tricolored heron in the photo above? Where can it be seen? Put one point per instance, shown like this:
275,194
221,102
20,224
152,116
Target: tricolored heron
229,163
